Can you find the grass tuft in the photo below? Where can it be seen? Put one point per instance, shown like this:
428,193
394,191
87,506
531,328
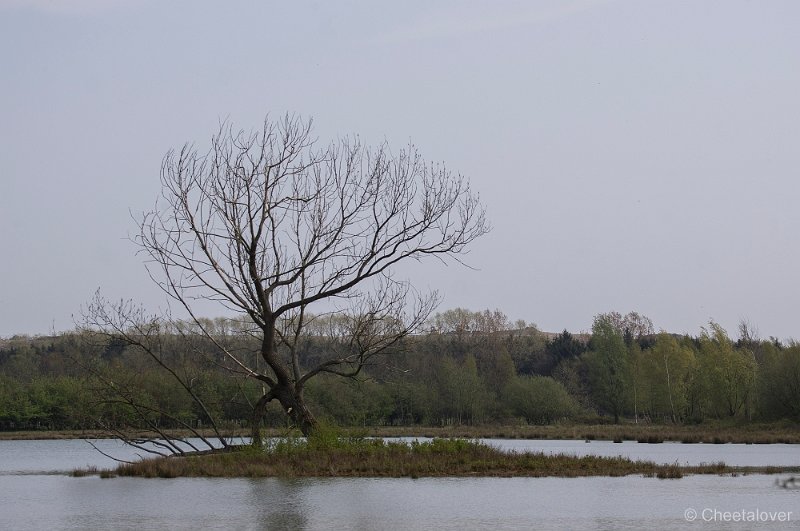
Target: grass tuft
83,472
650,439
670,472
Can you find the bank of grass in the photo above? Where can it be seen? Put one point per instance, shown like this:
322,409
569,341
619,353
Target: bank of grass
365,457
709,433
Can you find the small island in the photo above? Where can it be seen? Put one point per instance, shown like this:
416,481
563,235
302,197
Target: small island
333,456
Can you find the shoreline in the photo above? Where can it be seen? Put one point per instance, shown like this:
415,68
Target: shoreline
780,433
644,433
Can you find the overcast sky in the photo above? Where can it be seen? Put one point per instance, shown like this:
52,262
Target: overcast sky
632,155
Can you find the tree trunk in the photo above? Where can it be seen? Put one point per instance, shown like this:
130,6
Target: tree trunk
255,422
284,391
294,405
304,419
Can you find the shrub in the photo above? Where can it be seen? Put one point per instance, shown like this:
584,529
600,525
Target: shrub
540,399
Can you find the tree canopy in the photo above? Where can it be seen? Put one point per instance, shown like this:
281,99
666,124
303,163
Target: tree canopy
270,224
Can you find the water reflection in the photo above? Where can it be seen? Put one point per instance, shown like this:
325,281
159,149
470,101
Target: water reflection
60,502
279,503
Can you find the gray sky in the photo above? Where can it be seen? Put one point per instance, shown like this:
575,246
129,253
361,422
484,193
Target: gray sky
632,155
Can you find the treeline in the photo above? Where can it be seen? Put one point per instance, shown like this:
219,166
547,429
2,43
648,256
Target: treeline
467,368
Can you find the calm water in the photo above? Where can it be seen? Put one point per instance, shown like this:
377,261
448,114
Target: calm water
32,497
670,452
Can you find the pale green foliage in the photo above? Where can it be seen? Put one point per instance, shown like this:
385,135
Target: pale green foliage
639,391
729,374
463,397
540,399
609,367
668,368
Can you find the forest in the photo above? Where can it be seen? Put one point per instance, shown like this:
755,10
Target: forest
466,368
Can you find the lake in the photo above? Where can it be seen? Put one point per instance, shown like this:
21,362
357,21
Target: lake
35,493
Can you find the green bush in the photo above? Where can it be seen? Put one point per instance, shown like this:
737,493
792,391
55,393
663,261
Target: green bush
540,399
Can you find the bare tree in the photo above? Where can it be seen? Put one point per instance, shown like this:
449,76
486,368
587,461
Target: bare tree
161,340
272,227
633,324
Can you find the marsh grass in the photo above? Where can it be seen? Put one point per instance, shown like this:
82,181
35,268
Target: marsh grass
93,471
364,457
673,471
650,439
83,472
